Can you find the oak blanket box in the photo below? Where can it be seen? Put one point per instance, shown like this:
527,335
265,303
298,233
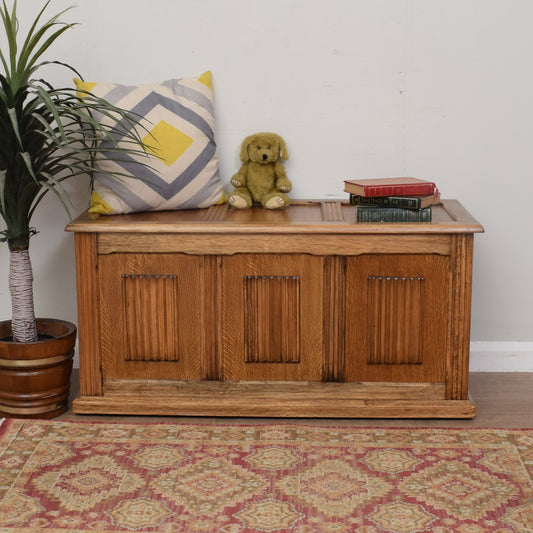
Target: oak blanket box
294,313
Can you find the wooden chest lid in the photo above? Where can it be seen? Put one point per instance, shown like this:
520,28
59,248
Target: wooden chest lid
316,216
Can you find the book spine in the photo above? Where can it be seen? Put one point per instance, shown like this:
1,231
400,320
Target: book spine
406,202
418,189
366,213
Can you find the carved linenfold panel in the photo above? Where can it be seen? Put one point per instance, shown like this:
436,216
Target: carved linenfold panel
151,314
272,319
331,211
395,310
216,213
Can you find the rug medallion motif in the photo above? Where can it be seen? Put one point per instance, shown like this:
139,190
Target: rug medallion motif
301,478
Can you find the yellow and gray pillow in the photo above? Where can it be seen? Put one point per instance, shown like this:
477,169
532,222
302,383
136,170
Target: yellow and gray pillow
178,126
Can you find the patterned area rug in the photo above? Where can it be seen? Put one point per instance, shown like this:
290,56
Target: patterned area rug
87,477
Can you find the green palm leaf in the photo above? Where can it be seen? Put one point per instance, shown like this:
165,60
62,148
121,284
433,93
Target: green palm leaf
48,134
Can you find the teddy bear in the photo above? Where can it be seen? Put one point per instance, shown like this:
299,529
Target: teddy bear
261,178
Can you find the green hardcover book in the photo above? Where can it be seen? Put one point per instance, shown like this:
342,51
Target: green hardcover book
405,202
375,214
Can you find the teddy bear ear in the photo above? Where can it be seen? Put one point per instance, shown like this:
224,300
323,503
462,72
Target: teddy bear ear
283,153
244,148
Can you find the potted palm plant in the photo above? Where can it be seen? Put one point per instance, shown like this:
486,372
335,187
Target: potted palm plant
47,135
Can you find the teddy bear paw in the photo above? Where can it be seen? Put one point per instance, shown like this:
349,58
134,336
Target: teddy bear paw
276,202
237,201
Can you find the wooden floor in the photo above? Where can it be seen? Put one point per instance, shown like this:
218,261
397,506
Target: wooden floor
503,400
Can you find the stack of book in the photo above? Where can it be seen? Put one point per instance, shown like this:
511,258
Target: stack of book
392,199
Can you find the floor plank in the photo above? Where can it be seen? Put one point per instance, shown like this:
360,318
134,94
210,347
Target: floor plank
503,399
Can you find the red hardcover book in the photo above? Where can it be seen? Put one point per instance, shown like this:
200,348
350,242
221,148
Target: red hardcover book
390,187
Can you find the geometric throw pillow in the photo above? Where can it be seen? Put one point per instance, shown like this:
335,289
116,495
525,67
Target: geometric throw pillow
178,127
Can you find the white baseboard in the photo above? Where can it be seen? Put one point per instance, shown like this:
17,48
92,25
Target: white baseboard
501,356
485,357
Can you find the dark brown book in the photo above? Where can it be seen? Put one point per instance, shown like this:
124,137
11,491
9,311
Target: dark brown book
406,202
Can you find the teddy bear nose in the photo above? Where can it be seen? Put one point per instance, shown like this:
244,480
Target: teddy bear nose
265,156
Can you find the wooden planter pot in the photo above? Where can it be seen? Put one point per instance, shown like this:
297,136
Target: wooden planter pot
35,377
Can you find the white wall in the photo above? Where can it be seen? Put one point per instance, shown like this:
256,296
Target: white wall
439,89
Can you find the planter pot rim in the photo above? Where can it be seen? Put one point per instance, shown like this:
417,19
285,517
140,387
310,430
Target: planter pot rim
61,339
